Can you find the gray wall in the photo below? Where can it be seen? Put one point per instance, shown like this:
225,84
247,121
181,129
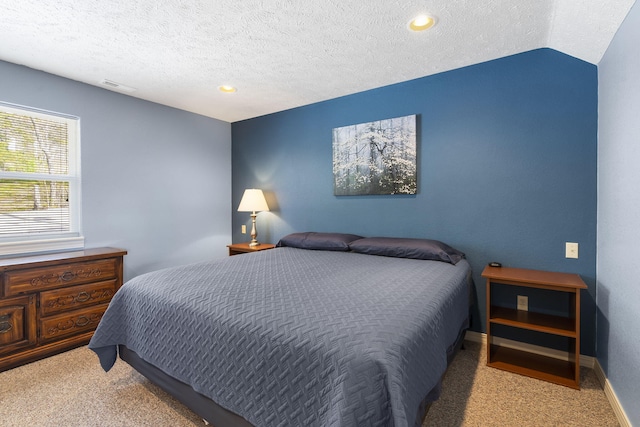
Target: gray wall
156,181
618,269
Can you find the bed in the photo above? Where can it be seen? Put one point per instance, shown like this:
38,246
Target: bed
326,329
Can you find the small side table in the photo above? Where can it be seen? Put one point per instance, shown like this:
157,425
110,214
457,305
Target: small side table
243,248
537,366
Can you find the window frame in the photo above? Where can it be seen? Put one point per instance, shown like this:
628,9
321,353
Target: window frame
23,243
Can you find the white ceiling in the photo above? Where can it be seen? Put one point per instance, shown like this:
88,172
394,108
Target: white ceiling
282,54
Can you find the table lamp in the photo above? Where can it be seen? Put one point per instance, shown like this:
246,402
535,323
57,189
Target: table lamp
253,201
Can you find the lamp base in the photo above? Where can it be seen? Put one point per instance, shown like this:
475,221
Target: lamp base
254,233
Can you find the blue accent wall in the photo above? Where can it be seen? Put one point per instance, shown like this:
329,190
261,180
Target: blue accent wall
618,297
156,181
506,167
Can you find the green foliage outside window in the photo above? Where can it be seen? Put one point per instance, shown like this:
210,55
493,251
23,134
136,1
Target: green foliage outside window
29,145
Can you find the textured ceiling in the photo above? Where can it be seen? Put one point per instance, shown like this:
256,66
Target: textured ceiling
283,54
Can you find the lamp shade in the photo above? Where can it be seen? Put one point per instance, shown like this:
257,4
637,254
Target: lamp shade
253,201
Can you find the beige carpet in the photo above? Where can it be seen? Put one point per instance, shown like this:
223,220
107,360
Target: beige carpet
476,395
71,390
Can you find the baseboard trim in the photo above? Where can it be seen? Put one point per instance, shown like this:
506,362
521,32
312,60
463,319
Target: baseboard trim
586,361
611,396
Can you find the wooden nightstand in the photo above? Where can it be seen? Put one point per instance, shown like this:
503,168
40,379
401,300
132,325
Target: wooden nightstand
565,372
243,248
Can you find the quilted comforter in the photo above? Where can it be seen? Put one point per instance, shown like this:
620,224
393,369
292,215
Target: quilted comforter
294,337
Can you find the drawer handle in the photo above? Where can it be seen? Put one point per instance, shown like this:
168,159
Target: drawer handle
83,296
5,325
67,276
82,321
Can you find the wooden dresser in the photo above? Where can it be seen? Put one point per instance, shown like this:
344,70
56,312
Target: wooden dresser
52,303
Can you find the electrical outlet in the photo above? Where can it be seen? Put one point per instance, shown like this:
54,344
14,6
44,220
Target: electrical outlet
244,229
571,250
523,302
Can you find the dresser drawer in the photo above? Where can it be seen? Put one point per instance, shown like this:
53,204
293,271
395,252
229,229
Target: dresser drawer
73,322
17,323
74,297
37,279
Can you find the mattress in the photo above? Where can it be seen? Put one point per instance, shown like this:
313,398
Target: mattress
298,337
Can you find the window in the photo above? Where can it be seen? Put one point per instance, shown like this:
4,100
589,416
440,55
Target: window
39,181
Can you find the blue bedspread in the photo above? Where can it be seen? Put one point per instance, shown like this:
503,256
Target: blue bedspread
294,337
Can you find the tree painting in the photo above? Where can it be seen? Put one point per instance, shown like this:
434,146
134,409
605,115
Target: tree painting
375,158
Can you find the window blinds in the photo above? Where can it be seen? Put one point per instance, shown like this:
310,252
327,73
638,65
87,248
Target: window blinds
36,175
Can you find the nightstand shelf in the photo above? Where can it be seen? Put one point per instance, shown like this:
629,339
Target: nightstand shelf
244,248
549,324
559,371
534,365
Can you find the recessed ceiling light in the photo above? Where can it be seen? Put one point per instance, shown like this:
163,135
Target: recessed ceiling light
227,89
421,23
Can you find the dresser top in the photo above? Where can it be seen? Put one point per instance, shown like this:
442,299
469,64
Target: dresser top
57,257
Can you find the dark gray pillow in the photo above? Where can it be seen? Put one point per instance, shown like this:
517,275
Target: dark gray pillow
319,241
407,248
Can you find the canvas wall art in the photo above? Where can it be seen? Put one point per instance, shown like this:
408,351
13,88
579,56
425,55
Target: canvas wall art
375,158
